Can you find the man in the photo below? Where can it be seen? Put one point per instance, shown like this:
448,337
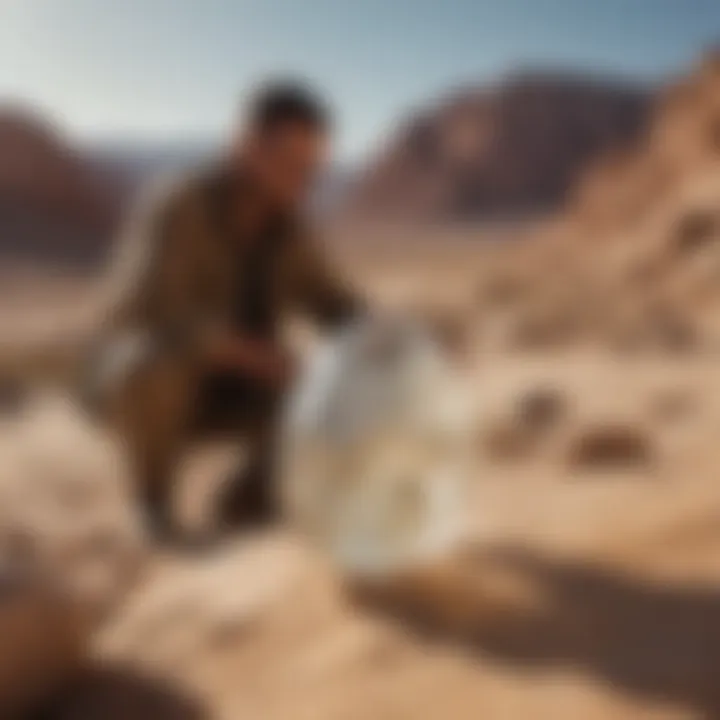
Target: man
222,258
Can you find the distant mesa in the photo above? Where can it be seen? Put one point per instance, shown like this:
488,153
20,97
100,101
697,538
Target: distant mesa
54,203
513,148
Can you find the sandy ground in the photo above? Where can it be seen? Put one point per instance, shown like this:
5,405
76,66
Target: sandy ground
587,592
589,588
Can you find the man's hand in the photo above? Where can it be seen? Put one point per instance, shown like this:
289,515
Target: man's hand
251,358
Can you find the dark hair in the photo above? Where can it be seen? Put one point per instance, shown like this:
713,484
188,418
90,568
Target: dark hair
277,103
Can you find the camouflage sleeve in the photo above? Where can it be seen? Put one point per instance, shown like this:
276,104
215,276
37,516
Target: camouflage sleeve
324,293
154,273
150,304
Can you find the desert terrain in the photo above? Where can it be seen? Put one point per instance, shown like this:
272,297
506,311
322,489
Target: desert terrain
589,589
590,585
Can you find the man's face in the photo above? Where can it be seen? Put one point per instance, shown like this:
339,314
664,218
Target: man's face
286,161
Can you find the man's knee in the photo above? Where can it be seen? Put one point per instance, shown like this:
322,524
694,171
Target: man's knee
150,412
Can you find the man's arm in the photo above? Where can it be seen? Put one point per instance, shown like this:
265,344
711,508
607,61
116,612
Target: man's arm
245,356
323,292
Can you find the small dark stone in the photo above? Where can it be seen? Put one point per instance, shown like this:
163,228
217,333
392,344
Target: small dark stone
694,230
541,408
611,446
12,397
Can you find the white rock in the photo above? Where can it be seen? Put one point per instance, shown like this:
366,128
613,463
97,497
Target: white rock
66,513
375,448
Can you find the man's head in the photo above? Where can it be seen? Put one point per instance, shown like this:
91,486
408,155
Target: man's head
285,141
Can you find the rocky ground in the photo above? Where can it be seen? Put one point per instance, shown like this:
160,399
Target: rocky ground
588,589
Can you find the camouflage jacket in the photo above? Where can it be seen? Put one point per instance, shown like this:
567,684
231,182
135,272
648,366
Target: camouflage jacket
176,278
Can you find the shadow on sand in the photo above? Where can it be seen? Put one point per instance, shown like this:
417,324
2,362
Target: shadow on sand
656,641
117,693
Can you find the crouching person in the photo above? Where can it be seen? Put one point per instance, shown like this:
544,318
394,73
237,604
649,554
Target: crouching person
191,345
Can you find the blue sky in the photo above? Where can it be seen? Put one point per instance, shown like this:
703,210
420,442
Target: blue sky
175,69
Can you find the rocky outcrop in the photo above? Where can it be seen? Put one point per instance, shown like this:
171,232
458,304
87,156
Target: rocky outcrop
505,150
634,261
55,203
